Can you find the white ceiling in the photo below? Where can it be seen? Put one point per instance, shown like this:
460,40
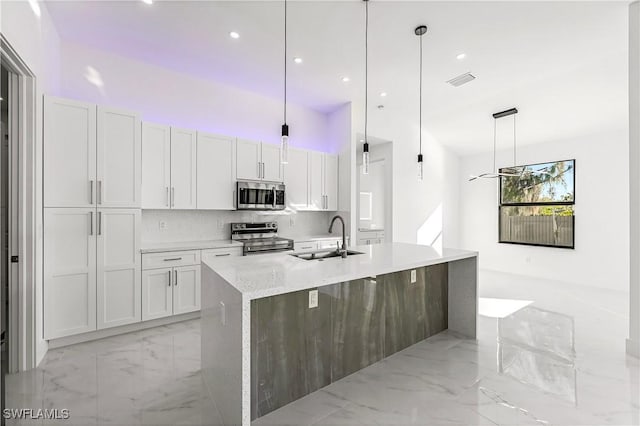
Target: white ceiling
563,64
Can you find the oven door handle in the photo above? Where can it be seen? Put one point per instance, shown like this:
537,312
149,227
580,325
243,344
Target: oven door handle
274,196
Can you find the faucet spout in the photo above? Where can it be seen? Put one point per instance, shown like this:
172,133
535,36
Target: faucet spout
342,251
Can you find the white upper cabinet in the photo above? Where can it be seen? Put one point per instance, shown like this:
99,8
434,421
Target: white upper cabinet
296,179
118,267
91,155
69,153
323,181
271,166
69,271
156,166
258,161
316,180
183,169
118,158
248,160
331,182
215,172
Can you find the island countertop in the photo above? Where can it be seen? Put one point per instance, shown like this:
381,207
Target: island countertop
267,275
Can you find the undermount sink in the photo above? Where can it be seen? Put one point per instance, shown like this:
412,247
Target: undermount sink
322,255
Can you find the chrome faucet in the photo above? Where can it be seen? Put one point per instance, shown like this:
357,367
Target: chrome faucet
342,251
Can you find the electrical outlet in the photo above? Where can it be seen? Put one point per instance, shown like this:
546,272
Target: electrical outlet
292,220
162,225
220,224
313,298
413,276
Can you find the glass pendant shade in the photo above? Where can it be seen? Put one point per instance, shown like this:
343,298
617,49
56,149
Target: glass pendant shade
284,145
365,159
420,168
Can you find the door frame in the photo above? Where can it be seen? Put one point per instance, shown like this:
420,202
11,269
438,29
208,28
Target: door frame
22,205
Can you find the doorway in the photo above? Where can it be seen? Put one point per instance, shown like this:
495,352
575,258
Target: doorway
18,215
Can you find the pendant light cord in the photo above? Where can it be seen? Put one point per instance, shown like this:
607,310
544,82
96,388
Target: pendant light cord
420,137
514,141
366,69
495,126
285,61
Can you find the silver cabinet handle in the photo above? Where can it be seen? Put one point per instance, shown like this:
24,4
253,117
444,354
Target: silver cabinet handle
167,197
172,259
91,183
224,254
99,223
175,277
99,192
173,196
263,170
90,223
274,196
259,170
169,278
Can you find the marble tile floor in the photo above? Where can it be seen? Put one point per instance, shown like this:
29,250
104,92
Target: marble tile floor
547,353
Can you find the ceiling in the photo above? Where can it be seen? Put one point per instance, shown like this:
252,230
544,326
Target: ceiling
563,64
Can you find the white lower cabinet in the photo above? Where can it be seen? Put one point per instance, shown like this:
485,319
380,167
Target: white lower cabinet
157,293
91,269
367,237
118,267
170,290
186,289
69,271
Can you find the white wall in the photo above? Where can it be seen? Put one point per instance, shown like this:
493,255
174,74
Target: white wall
633,344
36,41
341,133
199,225
169,97
601,256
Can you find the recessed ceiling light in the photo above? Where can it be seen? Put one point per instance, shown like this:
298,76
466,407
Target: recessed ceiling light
147,1
297,60
35,7
234,34
461,56
345,79
383,94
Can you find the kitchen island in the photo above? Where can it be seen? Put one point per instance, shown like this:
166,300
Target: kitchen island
276,327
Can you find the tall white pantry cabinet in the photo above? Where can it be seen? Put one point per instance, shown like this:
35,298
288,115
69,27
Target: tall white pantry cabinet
92,181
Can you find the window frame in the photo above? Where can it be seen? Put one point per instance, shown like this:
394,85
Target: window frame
538,204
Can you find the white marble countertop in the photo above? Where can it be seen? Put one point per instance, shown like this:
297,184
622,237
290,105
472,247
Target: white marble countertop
272,274
187,245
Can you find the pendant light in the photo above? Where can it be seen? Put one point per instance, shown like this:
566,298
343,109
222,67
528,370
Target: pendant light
365,148
284,141
494,173
420,31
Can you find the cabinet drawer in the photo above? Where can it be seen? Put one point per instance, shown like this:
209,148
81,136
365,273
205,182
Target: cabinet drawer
170,259
329,244
305,246
221,253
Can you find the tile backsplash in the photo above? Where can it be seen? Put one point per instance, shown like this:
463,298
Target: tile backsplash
196,225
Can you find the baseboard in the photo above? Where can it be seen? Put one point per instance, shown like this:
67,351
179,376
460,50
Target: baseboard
129,328
633,348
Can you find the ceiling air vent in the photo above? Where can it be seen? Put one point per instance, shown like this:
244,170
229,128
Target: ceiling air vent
461,79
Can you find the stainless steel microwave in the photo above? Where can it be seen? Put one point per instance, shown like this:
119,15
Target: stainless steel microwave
257,195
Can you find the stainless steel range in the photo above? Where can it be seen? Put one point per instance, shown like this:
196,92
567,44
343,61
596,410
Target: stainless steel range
261,237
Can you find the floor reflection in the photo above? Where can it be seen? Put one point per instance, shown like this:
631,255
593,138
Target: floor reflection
537,347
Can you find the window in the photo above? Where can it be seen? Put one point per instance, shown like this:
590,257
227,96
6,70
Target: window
537,204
